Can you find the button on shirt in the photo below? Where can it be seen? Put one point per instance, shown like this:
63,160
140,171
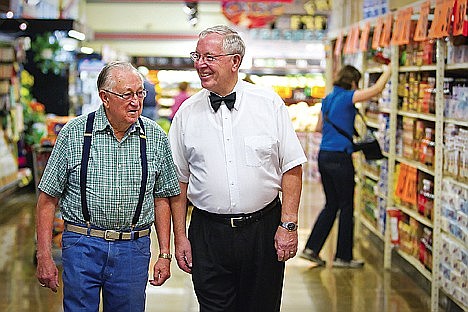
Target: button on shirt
233,161
114,173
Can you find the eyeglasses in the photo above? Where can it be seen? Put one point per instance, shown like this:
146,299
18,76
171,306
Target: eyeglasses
129,95
195,56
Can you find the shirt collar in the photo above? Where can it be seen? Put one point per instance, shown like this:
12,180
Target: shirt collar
102,123
237,88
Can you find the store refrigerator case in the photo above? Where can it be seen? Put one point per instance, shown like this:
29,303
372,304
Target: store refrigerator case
41,155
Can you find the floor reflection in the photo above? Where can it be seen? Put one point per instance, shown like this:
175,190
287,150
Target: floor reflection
305,288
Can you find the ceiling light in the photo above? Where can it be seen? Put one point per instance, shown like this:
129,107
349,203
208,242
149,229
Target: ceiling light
76,34
191,9
86,50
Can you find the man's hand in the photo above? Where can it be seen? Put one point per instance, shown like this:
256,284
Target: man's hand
47,273
285,244
161,272
183,254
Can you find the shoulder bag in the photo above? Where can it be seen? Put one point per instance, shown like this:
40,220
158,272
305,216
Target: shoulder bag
367,144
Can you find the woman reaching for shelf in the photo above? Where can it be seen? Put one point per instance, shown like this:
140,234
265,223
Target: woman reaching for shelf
336,166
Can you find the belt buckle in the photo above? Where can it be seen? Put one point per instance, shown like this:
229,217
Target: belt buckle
235,219
111,235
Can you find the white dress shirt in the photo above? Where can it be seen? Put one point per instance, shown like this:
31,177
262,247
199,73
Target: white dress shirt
233,161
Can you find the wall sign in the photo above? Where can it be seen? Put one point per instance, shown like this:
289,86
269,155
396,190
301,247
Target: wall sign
252,14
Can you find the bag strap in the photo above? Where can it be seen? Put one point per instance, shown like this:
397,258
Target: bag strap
341,131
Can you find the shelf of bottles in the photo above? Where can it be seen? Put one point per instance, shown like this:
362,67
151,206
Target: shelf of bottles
420,120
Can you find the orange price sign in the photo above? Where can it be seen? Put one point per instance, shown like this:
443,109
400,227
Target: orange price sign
402,26
377,33
459,13
346,48
338,45
420,34
442,17
364,37
354,41
386,31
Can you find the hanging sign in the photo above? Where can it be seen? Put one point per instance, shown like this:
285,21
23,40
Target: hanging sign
354,41
346,44
338,44
442,18
377,33
420,34
364,37
460,25
402,27
386,31
252,14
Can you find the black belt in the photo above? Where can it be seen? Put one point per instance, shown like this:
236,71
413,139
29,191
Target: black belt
109,235
239,220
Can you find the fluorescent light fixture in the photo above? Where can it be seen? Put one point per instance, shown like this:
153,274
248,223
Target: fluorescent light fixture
86,50
76,34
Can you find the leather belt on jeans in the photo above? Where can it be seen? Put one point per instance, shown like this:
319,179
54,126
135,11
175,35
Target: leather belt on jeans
239,220
109,235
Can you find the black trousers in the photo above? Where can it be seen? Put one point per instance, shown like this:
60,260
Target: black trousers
337,172
236,269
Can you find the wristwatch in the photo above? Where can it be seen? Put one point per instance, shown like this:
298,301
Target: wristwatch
290,226
165,256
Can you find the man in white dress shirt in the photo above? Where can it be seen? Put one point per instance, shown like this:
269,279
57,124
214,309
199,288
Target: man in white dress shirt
235,150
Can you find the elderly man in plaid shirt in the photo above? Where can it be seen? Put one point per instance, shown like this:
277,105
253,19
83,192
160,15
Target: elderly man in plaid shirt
111,172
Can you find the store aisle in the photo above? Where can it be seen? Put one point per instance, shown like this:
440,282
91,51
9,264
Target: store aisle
306,288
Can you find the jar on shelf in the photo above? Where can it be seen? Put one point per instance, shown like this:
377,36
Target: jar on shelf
427,148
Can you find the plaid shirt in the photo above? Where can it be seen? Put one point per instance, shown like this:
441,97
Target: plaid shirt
114,173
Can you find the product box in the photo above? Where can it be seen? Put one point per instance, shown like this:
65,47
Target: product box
462,219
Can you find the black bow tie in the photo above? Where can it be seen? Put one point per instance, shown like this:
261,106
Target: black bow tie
216,100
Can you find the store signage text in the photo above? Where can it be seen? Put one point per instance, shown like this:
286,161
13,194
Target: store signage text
164,62
292,35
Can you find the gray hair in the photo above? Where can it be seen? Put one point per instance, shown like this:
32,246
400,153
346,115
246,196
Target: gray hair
232,42
105,79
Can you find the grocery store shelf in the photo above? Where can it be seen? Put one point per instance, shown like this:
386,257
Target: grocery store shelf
384,110
371,228
373,124
23,178
462,123
456,66
371,175
10,186
417,115
415,164
456,182
383,196
374,70
404,69
415,215
416,264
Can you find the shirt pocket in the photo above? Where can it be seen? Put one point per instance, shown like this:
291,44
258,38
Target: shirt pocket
153,171
258,150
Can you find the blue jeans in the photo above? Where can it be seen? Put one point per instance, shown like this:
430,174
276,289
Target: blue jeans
337,173
117,268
